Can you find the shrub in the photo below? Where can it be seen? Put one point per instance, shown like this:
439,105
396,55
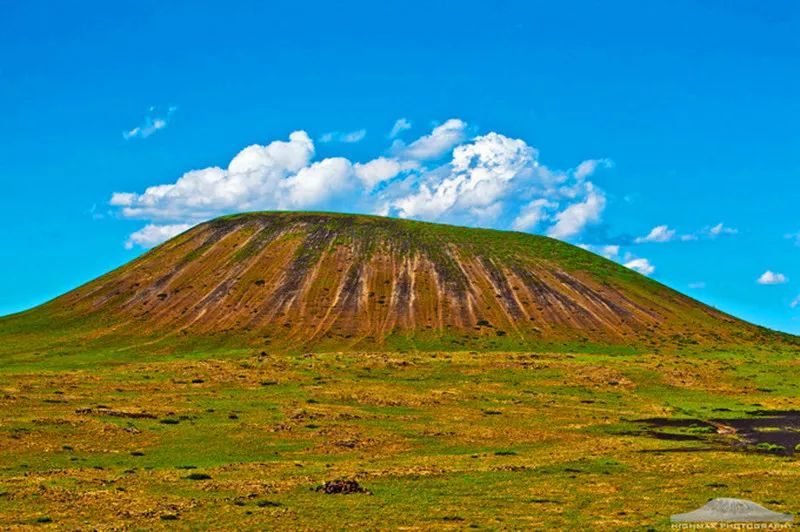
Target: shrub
770,447
198,476
265,504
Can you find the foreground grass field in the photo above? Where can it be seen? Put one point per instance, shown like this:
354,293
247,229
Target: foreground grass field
240,439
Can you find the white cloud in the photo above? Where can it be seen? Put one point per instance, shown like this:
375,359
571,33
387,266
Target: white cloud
316,183
399,126
588,167
573,219
491,180
347,137
721,229
255,179
610,252
290,156
769,277
698,285
151,124
481,174
426,203
152,235
122,199
709,232
441,140
354,136
660,233
640,265
663,233
795,302
379,170
532,213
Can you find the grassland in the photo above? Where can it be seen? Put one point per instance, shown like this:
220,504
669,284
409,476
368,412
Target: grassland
442,440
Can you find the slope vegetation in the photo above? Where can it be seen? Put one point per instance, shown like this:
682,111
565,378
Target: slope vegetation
335,281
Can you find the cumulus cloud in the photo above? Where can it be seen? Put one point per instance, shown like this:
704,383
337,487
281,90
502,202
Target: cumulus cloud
440,141
399,126
532,214
769,277
640,265
122,199
491,180
479,175
347,137
152,235
381,169
660,233
317,183
574,218
257,177
795,302
153,122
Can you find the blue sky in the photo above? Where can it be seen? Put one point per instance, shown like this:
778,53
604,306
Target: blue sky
601,123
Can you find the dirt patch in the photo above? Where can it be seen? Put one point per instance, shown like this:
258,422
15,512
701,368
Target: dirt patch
344,487
673,437
774,432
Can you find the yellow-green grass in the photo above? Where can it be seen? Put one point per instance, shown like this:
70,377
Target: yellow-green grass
443,440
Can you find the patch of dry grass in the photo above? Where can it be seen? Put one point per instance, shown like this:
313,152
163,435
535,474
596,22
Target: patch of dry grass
441,440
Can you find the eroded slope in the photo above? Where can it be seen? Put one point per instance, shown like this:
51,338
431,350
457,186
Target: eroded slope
339,281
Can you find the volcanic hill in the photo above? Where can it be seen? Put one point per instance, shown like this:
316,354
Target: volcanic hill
341,282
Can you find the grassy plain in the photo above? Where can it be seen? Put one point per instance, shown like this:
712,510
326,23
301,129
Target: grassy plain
239,439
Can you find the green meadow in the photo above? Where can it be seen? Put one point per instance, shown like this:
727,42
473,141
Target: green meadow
111,439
